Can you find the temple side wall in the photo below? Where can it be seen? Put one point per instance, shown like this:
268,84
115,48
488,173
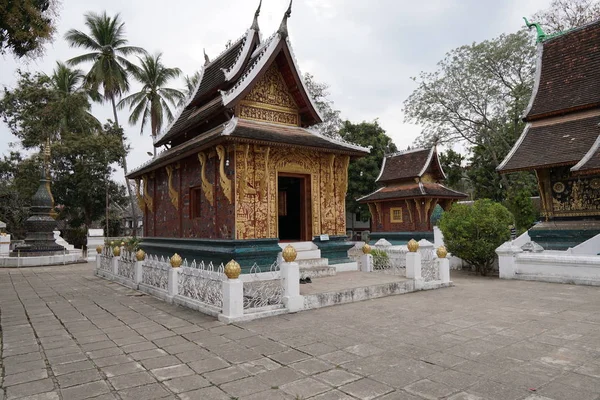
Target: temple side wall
414,219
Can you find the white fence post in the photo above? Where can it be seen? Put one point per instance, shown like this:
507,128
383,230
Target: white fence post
290,278
115,263
506,260
233,294
173,277
413,263
443,265
98,261
366,259
140,256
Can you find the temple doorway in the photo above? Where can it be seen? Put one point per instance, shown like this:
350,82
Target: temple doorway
292,199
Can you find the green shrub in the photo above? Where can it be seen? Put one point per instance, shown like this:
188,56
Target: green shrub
473,233
380,259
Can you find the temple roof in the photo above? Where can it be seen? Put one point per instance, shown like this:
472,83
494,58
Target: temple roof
413,190
246,131
410,164
567,73
590,163
229,77
565,142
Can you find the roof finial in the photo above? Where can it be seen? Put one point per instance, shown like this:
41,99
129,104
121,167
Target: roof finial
206,59
283,27
256,14
540,32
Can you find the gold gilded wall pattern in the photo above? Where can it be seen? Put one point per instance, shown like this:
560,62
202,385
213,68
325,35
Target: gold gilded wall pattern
574,196
341,187
270,100
207,187
138,195
224,181
173,194
147,198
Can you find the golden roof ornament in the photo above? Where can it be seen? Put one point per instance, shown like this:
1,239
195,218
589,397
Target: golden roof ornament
98,249
413,246
175,261
140,255
441,252
366,249
233,269
289,253
116,251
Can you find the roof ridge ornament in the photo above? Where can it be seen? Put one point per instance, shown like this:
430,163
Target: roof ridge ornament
283,31
540,32
256,14
206,59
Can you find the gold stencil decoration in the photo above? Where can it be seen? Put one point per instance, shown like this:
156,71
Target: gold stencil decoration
270,100
379,214
244,187
207,187
372,211
173,194
138,194
558,187
418,207
147,199
224,181
409,210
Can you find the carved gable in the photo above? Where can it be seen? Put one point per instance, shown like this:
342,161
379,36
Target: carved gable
270,100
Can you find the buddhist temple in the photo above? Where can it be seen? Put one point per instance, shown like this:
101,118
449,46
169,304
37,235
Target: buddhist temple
243,170
411,188
561,140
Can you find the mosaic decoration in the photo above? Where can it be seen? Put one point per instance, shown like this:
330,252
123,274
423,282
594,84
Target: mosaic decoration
147,199
207,187
224,181
575,196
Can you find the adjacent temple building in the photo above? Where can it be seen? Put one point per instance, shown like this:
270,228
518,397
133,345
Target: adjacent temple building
242,171
411,188
561,141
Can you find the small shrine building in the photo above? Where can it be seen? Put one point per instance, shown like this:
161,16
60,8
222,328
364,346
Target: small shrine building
242,170
411,188
561,140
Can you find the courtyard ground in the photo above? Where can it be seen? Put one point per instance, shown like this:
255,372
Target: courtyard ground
67,334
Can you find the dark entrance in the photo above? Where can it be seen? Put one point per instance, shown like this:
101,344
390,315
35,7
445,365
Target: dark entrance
291,202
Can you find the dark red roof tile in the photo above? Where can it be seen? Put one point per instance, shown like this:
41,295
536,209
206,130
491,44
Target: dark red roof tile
435,190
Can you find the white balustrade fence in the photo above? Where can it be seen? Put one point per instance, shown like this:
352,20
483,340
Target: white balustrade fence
126,265
202,283
155,272
262,289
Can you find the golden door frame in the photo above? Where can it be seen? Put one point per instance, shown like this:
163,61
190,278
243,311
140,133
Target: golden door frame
306,197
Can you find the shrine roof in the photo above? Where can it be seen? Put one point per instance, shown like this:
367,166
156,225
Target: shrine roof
590,163
414,190
565,142
410,164
242,130
567,73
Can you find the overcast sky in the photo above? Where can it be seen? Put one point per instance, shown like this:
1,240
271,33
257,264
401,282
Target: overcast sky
366,50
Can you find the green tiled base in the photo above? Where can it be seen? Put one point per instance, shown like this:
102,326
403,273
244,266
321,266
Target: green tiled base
400,238
335,249
560,235
246,252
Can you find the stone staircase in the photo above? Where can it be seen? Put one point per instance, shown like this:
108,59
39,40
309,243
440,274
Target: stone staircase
309,260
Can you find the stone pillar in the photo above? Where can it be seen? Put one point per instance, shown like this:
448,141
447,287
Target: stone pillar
413,265
507,263
115,264
233,294
444,269
4,244
140,256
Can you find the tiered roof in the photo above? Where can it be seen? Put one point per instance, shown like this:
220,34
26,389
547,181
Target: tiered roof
412,174
208,116
564,112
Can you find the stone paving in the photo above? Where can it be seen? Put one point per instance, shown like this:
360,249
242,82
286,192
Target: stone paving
69,335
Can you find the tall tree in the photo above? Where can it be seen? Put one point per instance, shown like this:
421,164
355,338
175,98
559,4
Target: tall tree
566,14
452,163
477,96
332,122
363,172
108,52
191,82
26,25
154,100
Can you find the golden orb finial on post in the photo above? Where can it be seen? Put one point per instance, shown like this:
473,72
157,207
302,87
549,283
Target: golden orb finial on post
116,251
98,249
233,269
122,244
140,255
413,246
176,261
366,249
441,252
289,253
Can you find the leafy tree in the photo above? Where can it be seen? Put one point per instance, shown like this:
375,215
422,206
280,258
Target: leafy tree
332,122
521,206
452,163
566,14
474,232
363,172
151,103
108,54
26,25
191,82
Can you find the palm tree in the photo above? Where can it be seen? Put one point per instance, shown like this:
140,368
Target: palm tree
191,82
107,52
152,102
